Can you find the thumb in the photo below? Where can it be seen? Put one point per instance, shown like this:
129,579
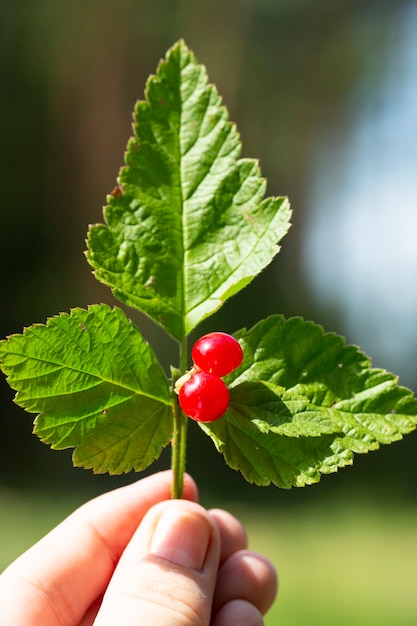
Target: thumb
167,572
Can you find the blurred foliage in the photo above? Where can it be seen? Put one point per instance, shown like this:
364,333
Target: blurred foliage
70,74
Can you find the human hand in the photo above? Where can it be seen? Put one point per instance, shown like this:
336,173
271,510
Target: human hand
132,557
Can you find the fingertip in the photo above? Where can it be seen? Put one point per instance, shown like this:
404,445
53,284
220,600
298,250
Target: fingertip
175,526
238,612
267,578
249,576
232,532
181,536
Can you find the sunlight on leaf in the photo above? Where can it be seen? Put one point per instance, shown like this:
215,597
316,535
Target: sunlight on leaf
96,385
187,226
303,402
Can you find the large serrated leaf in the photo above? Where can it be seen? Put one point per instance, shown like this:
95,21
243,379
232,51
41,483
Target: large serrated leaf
303,402
96,385
188,225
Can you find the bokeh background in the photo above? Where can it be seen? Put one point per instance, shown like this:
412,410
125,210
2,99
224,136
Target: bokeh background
324,93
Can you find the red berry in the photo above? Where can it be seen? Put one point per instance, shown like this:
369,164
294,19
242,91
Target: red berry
217,353
204,397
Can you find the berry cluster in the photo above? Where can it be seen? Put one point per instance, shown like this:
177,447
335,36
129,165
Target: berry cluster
203,395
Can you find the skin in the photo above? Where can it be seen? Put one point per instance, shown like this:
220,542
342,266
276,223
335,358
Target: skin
136,558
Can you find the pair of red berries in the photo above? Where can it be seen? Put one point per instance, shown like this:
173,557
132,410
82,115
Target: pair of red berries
203,395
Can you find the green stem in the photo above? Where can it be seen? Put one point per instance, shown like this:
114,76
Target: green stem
179,435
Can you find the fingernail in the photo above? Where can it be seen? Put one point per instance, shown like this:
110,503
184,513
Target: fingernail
182,538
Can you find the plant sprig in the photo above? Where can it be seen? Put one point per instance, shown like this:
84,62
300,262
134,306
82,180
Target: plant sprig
186,228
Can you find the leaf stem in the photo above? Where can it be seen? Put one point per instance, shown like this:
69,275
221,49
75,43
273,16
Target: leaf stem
179,434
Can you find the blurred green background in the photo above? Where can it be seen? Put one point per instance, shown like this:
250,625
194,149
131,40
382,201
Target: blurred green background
324,93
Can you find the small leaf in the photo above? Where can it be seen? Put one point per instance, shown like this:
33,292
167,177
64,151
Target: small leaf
187,226
96,385
303,402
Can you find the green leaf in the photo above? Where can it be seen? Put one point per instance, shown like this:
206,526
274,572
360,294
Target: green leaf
303,402
96,385
265,458
187,226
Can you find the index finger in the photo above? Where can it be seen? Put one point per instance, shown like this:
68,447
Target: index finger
60,577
